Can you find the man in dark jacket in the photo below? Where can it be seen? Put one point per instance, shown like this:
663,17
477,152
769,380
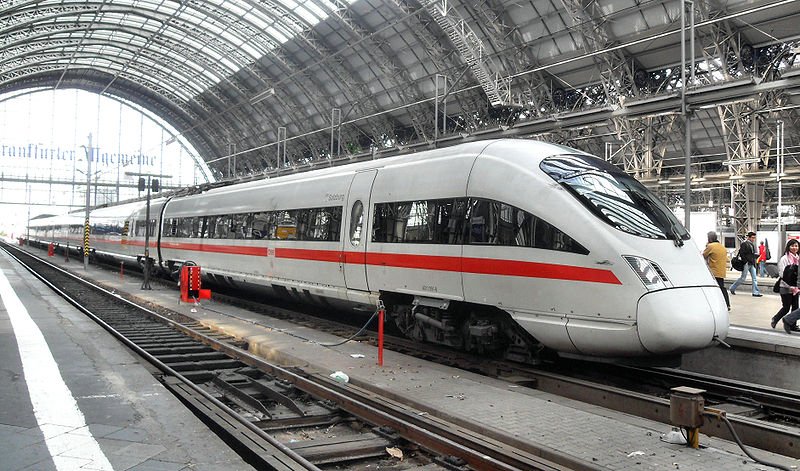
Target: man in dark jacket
749,255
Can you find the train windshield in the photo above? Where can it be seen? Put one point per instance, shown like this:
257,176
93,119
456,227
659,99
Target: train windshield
615,197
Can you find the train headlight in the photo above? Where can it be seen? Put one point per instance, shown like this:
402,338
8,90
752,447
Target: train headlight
649,272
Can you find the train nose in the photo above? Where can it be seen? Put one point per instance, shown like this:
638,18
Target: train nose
681,319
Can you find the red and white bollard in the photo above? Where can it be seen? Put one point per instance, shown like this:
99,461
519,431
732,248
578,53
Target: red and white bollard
381,314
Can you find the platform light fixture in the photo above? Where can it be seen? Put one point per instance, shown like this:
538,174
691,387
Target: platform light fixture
750,160
262,96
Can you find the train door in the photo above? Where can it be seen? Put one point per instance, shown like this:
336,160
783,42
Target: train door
355,240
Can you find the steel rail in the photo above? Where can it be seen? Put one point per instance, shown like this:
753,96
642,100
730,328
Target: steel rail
481,453
301,463
773,437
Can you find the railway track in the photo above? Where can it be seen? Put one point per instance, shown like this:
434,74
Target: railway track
763,417
286,418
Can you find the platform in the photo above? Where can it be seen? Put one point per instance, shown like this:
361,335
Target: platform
74,398
601,437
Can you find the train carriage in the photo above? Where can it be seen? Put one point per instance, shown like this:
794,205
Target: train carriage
506,245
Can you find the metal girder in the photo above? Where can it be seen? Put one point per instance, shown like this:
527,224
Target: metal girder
532,91
616,71
405,87
470,48
363,100
748,140
644,143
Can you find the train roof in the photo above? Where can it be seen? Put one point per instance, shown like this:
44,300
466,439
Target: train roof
538,151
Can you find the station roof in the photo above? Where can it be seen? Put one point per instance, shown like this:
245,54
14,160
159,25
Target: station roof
254,79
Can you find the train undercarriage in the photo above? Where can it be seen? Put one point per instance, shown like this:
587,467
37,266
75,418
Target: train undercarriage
477,329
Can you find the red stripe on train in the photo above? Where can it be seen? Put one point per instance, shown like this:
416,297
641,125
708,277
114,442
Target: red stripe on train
315,255
481,266
226,249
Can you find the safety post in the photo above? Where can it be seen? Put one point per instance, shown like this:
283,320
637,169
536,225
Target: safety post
381,313
66,253
190,282
121,270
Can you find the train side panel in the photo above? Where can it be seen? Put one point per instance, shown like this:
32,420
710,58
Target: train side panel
422,267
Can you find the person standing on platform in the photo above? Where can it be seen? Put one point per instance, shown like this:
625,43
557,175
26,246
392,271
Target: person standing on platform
749,255
762,260
717,259
789,293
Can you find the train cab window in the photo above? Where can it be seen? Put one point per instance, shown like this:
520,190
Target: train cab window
615,197
356,223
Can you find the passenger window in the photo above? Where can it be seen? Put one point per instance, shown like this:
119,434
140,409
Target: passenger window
223,229
203,227
433,221
495,223
286,225
260,226
239,226
356,223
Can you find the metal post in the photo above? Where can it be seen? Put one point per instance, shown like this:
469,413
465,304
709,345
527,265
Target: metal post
779,177
89,153
441,83
146,281
336,124
281,146
687,120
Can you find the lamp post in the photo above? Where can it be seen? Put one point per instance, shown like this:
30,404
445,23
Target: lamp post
146,181
89,152
779,175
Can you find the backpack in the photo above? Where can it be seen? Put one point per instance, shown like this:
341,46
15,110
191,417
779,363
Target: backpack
768,255
789,275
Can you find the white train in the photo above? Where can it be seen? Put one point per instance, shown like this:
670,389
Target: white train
508,245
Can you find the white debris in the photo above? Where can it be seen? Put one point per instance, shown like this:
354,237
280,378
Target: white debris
340,377
395,452
357,355
635,453
674,437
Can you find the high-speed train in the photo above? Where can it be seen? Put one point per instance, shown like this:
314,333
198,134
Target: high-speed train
505,245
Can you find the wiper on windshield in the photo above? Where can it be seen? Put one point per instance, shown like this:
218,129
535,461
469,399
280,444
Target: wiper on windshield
672,228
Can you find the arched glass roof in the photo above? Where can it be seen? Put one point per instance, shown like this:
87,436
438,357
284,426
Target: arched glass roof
246,80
